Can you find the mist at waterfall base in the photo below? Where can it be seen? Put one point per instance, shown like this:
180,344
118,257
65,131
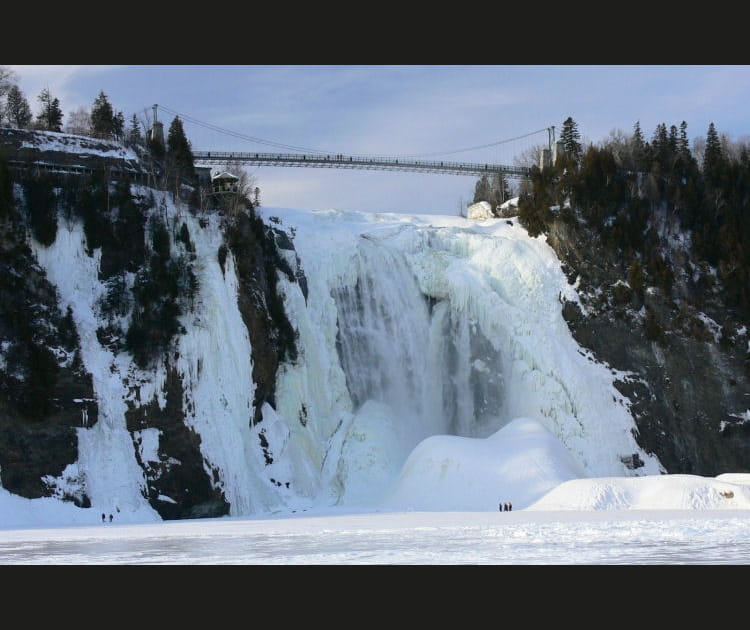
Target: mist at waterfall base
444,382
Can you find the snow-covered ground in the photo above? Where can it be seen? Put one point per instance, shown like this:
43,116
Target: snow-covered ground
437,412
654,519
668,519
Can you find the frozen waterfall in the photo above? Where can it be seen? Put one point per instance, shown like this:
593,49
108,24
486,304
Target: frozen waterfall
411,327
423,326
404,349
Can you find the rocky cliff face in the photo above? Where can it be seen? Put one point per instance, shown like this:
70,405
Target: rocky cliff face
179,470
271,336
145,278
45,392
684,356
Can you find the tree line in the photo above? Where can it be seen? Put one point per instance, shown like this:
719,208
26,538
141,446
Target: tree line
170,161
173,159
633,192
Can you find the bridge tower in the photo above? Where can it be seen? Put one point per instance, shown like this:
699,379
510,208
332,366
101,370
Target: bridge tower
552,144
156,133
548,156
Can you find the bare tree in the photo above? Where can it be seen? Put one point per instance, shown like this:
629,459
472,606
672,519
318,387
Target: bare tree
8,78
79,122
620,145
733,148
246,185
17,111
529,157
699,146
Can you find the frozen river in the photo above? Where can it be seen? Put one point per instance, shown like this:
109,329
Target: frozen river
459,538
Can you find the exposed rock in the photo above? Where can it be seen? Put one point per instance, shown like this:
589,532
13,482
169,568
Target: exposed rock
271,335
688,389
45,393
178,485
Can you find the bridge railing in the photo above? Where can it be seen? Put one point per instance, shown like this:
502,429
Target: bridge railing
339,160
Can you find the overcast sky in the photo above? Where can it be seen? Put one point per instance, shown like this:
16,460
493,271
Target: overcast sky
435,112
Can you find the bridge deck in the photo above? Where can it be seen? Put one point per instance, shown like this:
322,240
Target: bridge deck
359,162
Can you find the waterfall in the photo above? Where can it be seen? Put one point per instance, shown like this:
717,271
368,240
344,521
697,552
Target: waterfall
383,332
448,330
415,366
410,352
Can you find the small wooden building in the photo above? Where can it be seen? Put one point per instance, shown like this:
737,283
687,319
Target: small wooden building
224,183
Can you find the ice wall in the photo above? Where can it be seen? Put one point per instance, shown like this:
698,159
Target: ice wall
432,326
413,327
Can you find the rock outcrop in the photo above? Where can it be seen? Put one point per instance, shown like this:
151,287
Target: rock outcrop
686,371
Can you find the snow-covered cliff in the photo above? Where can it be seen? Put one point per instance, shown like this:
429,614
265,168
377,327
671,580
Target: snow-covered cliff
405,327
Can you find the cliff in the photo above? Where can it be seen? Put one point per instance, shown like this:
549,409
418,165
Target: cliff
171,360
119,276
684,355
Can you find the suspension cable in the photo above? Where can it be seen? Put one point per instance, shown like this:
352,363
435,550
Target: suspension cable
309,150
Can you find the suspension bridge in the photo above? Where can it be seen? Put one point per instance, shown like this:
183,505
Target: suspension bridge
313,158
359,162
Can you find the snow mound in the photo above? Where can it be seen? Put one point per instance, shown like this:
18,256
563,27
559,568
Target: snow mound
650,492
518,463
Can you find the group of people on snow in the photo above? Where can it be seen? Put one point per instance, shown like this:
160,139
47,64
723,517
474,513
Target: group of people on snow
505,507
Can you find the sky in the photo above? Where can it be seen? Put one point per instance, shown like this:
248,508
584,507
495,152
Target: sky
466,113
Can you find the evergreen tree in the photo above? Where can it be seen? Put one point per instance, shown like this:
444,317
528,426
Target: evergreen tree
134,137
17,110
713,157
636,279
570,139
499,192
638,148
659,139
534,207
683,145
687,175
482,190
180,160
660,145
118,125
102,117
744,160
157,151
673,137
50,115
